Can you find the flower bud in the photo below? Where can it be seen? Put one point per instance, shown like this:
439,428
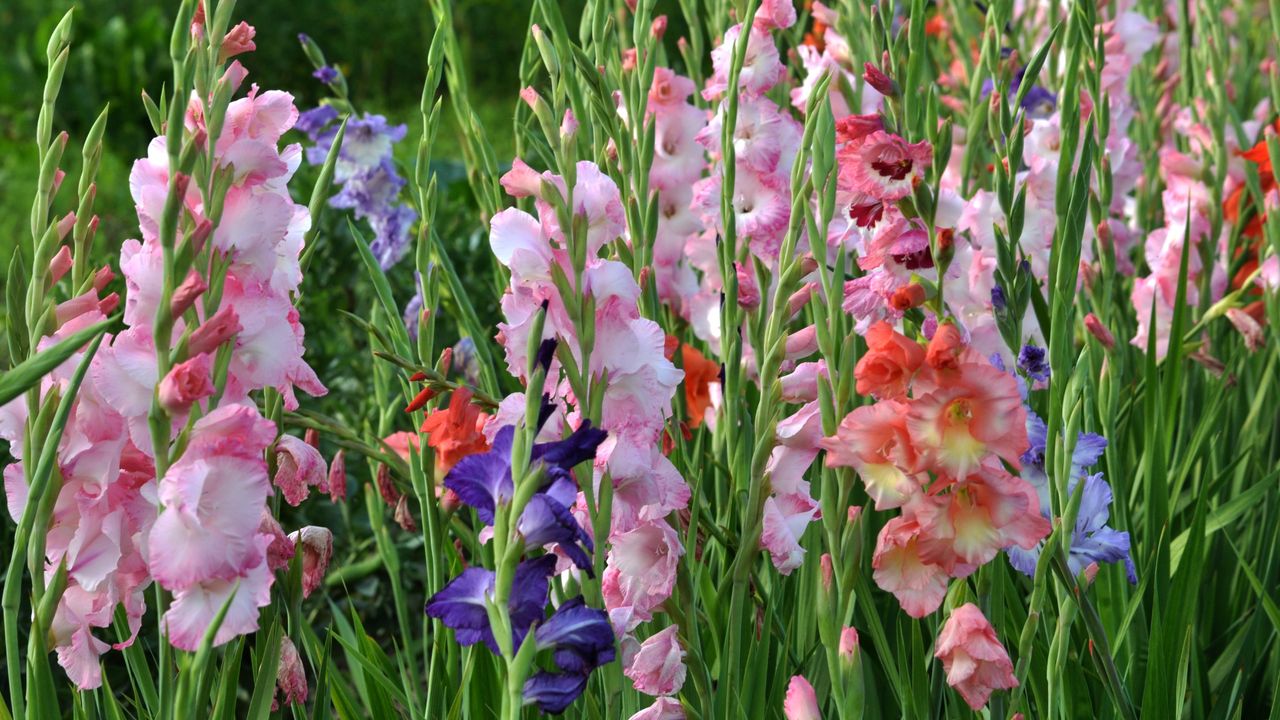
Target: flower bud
659,27
386,487
629,60
1099,331
828,571
337,480
876,78
65,224
800,298
801,702
568,126
103,277
905,298
186,383
312,438
850,647
802,343
215,331
945,348
185,295
238,40
60,264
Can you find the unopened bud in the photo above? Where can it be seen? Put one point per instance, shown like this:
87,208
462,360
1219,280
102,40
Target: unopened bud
337,480
1099,331
849,644
312,438
446,361
60,264
185,295
659,27
216,330
800,298
876,78
905,298
629,60
568,126
103,277
65,224
108,304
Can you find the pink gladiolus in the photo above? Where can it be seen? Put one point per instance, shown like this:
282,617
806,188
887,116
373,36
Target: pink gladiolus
884,166
801,702
975,661
337,481
918,585
238,40
849,644
658,667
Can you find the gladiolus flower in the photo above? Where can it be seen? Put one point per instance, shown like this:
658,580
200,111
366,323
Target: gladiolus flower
891,359
455,432
699,374
658,667
975,661
186,383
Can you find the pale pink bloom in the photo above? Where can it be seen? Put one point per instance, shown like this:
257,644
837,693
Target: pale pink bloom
269,346
291,677
299,467
801,702
874,440
195,607
662,709
762,207
785,519
884,166
780,14
596,198
1148,294
640,572
186,383
761,67
801,384
919,586
669,89
646,486
799,437
975,661
657,668
764,139
316,544
678,157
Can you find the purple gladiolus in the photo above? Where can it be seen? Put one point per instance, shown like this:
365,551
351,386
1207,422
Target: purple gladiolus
581,637
461,604
553,692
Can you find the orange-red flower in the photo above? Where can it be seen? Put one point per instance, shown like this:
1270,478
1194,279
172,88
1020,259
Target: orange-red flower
891,359
455,432
699,374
